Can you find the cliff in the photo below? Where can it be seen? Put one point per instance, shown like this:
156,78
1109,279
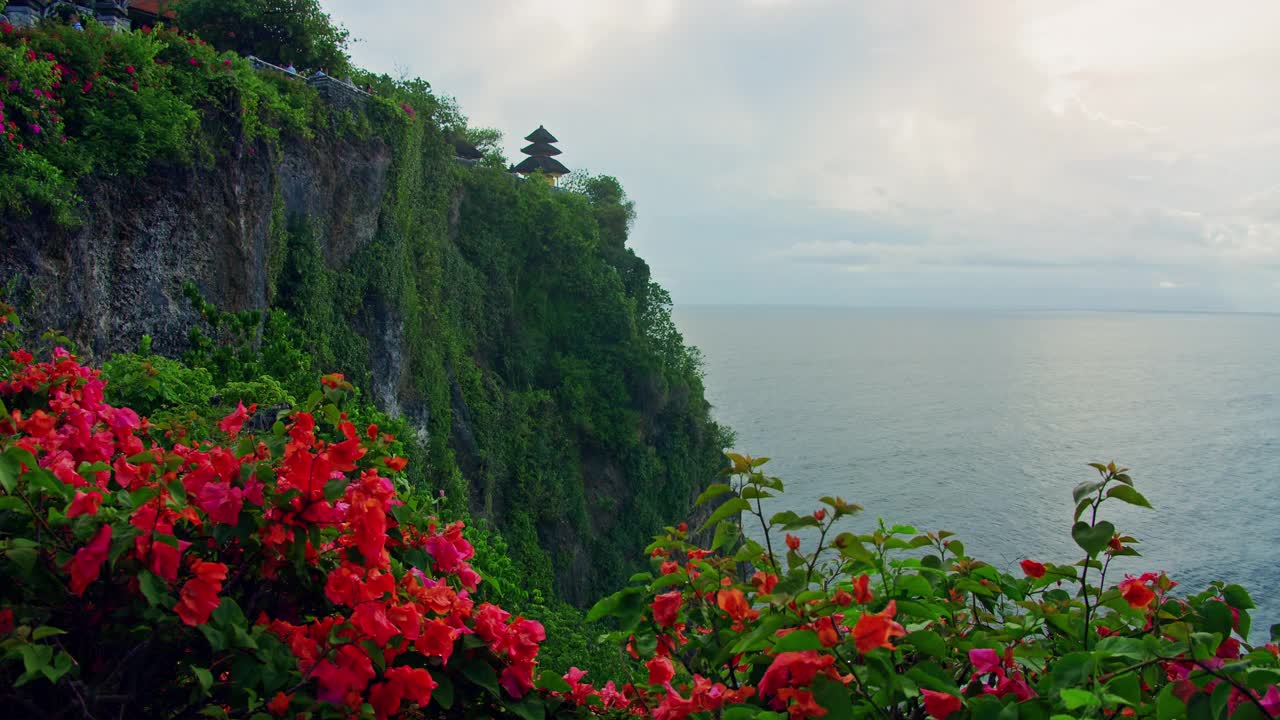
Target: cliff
532,357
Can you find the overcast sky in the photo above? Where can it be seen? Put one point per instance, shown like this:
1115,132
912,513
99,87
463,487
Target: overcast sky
1092,154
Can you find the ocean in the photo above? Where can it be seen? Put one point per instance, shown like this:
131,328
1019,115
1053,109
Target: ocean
982,422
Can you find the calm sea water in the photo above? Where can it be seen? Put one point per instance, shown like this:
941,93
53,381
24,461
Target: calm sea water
982,422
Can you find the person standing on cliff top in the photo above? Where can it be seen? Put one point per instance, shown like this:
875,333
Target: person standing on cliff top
291,69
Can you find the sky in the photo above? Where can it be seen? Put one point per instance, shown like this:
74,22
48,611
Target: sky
1102,154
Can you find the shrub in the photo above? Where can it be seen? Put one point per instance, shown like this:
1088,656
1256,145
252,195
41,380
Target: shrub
153,575
273,575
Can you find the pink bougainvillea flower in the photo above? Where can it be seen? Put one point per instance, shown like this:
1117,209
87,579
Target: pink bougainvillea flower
666,608
232,423
984,661
85,503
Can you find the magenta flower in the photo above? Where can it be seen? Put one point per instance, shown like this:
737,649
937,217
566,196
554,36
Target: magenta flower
35,129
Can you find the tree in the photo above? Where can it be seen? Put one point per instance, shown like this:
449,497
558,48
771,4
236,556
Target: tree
297,32
614,210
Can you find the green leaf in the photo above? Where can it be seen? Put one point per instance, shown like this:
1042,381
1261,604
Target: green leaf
729,509
204,677
154,590
11,503
45,631
928,642
1093,540
1127,687
1217,618
1084,490
481,674
1129,495
551,680
529,708
1237,597
798,640
726,533
1116,646
834,697
443,694
1076,698
714,490
8,473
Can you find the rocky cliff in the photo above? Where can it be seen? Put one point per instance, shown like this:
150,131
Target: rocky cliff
507,322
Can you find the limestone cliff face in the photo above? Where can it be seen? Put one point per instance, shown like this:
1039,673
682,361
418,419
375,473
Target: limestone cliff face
120,273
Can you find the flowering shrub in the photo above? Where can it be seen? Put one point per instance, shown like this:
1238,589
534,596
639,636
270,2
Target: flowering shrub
275,575
108,102
902,624
151,574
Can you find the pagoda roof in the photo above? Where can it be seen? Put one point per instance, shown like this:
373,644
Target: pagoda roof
541,136
548,165
464,149
541,148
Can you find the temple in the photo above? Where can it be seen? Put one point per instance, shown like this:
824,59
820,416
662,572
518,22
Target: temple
541,154
112,13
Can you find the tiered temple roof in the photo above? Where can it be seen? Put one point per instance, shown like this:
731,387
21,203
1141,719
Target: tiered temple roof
541,152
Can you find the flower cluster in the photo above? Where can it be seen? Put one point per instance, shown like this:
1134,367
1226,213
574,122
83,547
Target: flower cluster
284,573
356,601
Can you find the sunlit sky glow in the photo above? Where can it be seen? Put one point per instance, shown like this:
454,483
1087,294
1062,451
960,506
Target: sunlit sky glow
1091,154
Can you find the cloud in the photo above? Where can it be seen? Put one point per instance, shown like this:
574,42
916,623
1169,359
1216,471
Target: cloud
769,140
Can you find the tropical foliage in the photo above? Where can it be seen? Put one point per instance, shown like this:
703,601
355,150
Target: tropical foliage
161,572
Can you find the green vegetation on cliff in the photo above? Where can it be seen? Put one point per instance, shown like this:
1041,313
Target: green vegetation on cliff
531,361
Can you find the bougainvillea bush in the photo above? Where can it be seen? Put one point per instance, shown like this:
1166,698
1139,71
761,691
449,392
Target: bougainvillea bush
895,623
146,574
278,569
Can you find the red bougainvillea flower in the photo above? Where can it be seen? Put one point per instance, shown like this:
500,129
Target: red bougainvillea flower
733,602
666,607
199,597
660,671
820,514
793,542
1032,569
85,565
794,669
6,621
278,706
862,589
940,705
85,503
764,582
232,423
876,631
802,704
1135,592
396,464
827,632
413,684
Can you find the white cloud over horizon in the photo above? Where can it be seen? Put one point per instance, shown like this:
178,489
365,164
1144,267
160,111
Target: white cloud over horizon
1002,153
